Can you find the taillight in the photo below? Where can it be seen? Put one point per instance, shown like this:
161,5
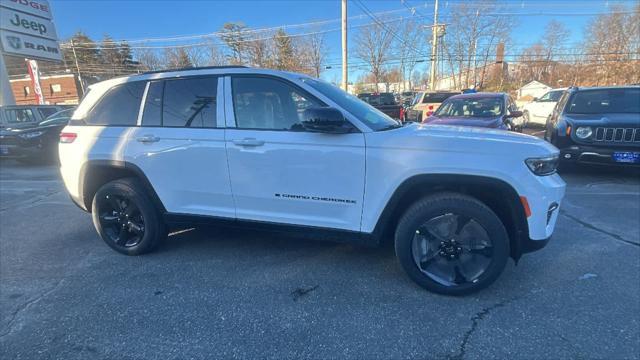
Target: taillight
67,138
401,114
430,107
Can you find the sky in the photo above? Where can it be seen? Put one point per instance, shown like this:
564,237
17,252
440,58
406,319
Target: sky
133,20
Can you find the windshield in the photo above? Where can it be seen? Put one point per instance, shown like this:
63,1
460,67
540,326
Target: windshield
471,107
551,96
366,113
602,101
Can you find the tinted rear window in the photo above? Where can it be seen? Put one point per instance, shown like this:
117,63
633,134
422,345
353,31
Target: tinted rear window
437,97
190,102
119,106
603,101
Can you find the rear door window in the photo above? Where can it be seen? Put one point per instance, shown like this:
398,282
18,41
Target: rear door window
190,102
119,106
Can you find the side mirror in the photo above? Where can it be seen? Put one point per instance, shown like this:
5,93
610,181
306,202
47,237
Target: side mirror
514,114
325,120
535,99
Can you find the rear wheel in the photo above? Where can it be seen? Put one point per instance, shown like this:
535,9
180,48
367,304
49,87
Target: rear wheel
452,244
124,216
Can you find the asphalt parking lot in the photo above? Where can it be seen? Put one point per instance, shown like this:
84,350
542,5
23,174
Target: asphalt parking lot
232,294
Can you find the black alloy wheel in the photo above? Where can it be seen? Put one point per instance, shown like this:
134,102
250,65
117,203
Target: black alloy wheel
126,218
451,244
121,220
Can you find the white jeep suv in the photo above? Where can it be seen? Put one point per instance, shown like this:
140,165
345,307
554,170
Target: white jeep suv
276,150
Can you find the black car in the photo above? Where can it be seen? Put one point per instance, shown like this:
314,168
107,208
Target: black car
384,102
599,125
38,142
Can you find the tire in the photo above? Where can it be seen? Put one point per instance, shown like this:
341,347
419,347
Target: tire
413,244
125,217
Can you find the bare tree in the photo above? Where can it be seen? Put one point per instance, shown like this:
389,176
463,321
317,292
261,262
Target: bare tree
410,49
472,39
234,35
553,41
149,59
313,52
372,46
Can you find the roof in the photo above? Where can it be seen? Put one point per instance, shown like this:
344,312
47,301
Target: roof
478,95
534,83
604,87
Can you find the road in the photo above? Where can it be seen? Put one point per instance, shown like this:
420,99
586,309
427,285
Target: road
233,294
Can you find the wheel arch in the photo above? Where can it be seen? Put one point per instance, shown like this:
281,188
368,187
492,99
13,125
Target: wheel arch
95,173
501,197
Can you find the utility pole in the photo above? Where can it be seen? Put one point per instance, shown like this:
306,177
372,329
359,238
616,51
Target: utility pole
345,66
75,57
434,48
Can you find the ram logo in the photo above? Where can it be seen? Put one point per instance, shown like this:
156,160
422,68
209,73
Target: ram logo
14,42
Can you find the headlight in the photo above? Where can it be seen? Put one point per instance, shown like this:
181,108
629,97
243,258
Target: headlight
543,166
31,135
583,132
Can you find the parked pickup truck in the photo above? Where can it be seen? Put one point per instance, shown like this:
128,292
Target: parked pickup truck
384,102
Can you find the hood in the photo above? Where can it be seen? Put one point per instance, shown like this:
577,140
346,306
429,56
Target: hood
604,120
492,122
462,139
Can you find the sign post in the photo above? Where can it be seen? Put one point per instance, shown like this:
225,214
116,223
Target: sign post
26,30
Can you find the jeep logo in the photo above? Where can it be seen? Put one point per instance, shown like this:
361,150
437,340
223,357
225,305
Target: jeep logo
29,25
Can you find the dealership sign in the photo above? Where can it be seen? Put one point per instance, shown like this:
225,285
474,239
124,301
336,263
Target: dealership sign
26,29
34,7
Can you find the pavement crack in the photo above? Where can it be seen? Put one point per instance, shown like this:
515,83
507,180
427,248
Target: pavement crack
21,308
302,291
32,202
475,322
602,231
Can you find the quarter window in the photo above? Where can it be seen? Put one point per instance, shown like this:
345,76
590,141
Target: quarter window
119,106
269,104
190,102
18,116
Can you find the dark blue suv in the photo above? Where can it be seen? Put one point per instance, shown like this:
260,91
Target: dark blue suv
598,125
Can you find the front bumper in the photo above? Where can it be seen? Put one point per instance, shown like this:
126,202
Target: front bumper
597,155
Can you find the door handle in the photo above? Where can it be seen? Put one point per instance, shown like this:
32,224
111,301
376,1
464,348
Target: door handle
248,142
148,139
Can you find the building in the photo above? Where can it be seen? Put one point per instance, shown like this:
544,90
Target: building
56,89
533,89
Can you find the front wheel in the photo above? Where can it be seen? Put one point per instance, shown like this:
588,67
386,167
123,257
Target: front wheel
452,244
125,217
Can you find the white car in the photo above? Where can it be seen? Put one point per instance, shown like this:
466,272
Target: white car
537,111
267,149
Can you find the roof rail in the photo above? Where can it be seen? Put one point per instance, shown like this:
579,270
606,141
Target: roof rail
193,68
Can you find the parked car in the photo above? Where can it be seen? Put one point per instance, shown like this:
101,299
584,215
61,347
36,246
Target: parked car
490,110
425,104
27,135
228,146
17,116
599,125
384,102
537,111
